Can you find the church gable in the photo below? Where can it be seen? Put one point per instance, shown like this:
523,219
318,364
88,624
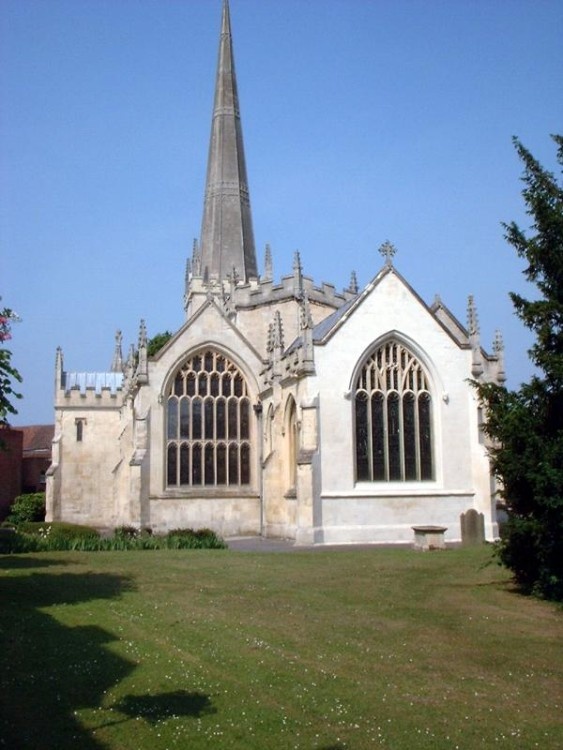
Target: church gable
391,293
208,327
387,308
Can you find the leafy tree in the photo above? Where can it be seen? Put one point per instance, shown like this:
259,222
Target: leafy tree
8,372
155,344
526,425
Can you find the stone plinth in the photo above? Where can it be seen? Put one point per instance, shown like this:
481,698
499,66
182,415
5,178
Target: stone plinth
429,537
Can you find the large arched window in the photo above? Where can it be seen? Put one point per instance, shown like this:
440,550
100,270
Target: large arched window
208,424
393,417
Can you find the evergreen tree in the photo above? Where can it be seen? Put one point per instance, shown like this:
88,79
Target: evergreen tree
526,425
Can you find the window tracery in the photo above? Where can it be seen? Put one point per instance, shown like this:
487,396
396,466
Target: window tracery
208,424
393,411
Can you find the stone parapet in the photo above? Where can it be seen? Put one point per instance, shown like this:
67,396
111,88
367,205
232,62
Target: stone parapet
258,292
90,389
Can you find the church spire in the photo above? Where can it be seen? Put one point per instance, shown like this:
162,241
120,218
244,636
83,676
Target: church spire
227,239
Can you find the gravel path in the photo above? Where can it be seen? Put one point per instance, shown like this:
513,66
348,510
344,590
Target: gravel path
262,544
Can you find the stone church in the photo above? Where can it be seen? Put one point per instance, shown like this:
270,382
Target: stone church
286,409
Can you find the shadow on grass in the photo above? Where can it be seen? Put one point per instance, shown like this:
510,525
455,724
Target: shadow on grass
155,708
48,670
13,562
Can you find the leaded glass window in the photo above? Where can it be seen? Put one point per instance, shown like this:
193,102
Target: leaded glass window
208,424
393,411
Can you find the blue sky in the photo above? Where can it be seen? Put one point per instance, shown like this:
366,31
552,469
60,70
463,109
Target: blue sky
363,121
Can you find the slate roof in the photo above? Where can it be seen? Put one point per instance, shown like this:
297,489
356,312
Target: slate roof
326,325
37,438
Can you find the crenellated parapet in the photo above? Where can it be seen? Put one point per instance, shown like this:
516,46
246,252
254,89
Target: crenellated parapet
264,291
89,389
104,388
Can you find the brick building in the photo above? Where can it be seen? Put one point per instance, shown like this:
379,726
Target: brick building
24,462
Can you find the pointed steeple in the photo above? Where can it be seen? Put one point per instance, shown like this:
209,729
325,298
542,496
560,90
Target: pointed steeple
227,238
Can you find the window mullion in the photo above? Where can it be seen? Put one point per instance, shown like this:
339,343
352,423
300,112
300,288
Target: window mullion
369,417
417,436
386,437
401,438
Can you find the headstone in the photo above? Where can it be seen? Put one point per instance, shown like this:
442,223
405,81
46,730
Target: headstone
472,527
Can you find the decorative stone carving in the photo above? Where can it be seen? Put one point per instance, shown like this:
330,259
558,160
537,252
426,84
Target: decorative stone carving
498,349
387,251
268,265
142,374
117,361
474,338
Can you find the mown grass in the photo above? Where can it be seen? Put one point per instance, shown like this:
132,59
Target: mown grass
326,650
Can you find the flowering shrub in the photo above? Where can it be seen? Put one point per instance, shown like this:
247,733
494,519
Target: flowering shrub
8,372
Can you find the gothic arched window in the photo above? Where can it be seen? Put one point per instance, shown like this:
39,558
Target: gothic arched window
393,417
291,444
208,423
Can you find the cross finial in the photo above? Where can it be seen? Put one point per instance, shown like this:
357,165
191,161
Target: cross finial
387,251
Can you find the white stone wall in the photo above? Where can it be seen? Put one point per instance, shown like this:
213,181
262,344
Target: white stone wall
85,474
227,516
358,511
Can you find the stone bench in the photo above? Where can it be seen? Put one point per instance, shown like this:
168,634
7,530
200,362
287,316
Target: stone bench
429,537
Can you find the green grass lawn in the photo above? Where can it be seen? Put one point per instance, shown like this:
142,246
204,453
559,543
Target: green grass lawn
217,649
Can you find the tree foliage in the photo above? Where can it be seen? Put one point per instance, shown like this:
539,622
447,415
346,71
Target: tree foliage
526,425
8,373
156,343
